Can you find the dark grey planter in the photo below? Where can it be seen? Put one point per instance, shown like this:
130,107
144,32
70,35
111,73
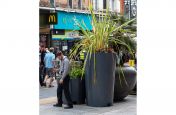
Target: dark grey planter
134,91
121,90
78,90
135,88
100,93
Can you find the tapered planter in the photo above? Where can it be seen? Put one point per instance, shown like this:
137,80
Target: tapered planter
100,93
78,90
124,84
134,91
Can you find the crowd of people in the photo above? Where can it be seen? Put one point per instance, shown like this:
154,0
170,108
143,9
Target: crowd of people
46,68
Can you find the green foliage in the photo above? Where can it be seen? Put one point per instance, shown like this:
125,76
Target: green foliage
76,69
127,34
76,72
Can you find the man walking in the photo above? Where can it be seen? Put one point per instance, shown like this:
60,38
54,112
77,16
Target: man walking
49,65
63,81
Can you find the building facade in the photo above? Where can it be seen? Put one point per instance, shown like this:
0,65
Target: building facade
63,34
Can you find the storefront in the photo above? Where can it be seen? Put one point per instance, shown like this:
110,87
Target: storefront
44,29
66,32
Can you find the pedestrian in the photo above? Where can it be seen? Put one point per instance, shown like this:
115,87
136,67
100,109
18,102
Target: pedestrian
46,50
41,65
63,81
49,65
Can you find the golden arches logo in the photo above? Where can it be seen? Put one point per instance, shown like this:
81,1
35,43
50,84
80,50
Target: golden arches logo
52,19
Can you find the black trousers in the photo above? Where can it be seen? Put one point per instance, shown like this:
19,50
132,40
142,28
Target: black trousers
41,74
64,87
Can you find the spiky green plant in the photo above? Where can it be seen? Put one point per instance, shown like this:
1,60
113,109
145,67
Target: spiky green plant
100,38
125,34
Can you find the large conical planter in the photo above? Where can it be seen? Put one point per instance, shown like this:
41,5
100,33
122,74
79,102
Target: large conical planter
100,93
121,89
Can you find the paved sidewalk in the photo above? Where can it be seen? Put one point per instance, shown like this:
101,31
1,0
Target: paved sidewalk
48,92
126,107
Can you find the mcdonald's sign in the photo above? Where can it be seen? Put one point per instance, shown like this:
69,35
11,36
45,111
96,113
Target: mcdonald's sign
52,18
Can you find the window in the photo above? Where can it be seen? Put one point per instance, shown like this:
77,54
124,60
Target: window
75,4
52,4
79,4
70,3
113,5
61,3
44,3
95,4
85,4
104,4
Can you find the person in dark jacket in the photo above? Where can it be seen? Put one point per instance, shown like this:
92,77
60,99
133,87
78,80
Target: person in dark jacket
42,66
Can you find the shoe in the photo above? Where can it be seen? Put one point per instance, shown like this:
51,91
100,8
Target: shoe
51,85
68,107
57,105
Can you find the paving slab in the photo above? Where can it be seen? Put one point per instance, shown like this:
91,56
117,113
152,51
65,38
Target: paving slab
125,107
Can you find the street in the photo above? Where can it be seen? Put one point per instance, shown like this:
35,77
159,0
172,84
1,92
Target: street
48,92
48,98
